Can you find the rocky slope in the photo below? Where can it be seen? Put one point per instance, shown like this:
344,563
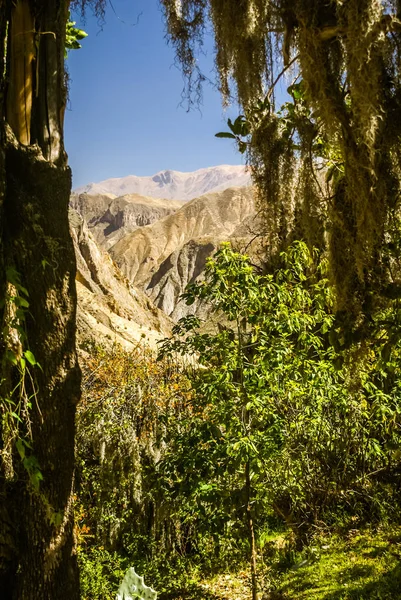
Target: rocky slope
173,184
109,217
162,258
110,309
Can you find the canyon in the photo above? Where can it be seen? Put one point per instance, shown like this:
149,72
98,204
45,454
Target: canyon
136,254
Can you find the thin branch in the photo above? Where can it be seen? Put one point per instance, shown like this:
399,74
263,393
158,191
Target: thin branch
387,24
279,76
124,22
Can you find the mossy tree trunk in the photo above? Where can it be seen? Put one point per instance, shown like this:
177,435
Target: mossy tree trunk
37,560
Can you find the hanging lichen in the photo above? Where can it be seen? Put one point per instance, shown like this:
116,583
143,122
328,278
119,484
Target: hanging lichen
346,54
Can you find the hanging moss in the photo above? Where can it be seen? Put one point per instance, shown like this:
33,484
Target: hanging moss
348,57
98,7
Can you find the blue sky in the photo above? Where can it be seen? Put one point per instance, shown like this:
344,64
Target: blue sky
124,116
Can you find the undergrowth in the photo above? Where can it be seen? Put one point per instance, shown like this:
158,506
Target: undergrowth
360,565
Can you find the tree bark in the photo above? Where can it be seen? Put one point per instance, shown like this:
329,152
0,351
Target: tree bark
251,532
37,560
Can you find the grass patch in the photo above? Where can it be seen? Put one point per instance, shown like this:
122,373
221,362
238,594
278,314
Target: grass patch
363,566
359,565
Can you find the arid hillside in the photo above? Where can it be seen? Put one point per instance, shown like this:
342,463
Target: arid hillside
162,258
110,309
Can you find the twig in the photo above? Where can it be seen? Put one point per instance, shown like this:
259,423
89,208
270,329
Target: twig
279,76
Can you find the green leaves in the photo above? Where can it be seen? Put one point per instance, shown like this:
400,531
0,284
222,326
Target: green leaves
32,466
30,357
73,36
30,462
260,357
280,383
225,134
275,391
240,128
17,362
20,445
297,91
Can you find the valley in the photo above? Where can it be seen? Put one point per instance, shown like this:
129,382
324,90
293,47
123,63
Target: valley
200,371
136,254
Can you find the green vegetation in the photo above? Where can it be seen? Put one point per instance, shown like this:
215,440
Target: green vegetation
279,423
73,35
361,565
357,566
277,453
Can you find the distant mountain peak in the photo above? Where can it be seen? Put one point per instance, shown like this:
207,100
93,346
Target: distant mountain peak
174,185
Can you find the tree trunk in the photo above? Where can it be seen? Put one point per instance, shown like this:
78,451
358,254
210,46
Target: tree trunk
37,560
251,532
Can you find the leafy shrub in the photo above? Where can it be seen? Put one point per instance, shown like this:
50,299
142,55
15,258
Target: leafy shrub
284,416
316,418
101,573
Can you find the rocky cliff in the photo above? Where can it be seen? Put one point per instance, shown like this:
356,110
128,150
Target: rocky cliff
162,258
109,218
110,308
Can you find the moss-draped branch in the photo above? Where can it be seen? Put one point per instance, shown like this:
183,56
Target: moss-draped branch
348,57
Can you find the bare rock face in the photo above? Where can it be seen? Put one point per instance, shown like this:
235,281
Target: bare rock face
162,258
109,218
110,309
182,267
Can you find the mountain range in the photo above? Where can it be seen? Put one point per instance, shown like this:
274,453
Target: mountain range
173,184
163,257
136,253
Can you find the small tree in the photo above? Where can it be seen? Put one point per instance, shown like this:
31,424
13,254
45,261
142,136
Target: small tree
280,416
268,326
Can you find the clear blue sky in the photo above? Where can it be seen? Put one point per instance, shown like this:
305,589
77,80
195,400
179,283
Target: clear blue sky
124,115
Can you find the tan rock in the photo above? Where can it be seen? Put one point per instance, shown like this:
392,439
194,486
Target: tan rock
162,258
110,309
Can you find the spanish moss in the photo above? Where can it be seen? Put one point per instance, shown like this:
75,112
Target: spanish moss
338,167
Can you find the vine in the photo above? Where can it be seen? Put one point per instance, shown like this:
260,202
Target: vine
19,388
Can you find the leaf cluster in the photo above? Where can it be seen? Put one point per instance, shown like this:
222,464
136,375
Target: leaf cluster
279,387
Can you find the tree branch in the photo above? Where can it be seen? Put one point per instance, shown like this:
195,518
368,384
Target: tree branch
279,76
387,24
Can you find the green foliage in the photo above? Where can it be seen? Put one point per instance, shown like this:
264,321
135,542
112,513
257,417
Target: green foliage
18,387
128,403
279,388
300,130
128,511
73,36
364,565
101,573
280,393
239,129
280,410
